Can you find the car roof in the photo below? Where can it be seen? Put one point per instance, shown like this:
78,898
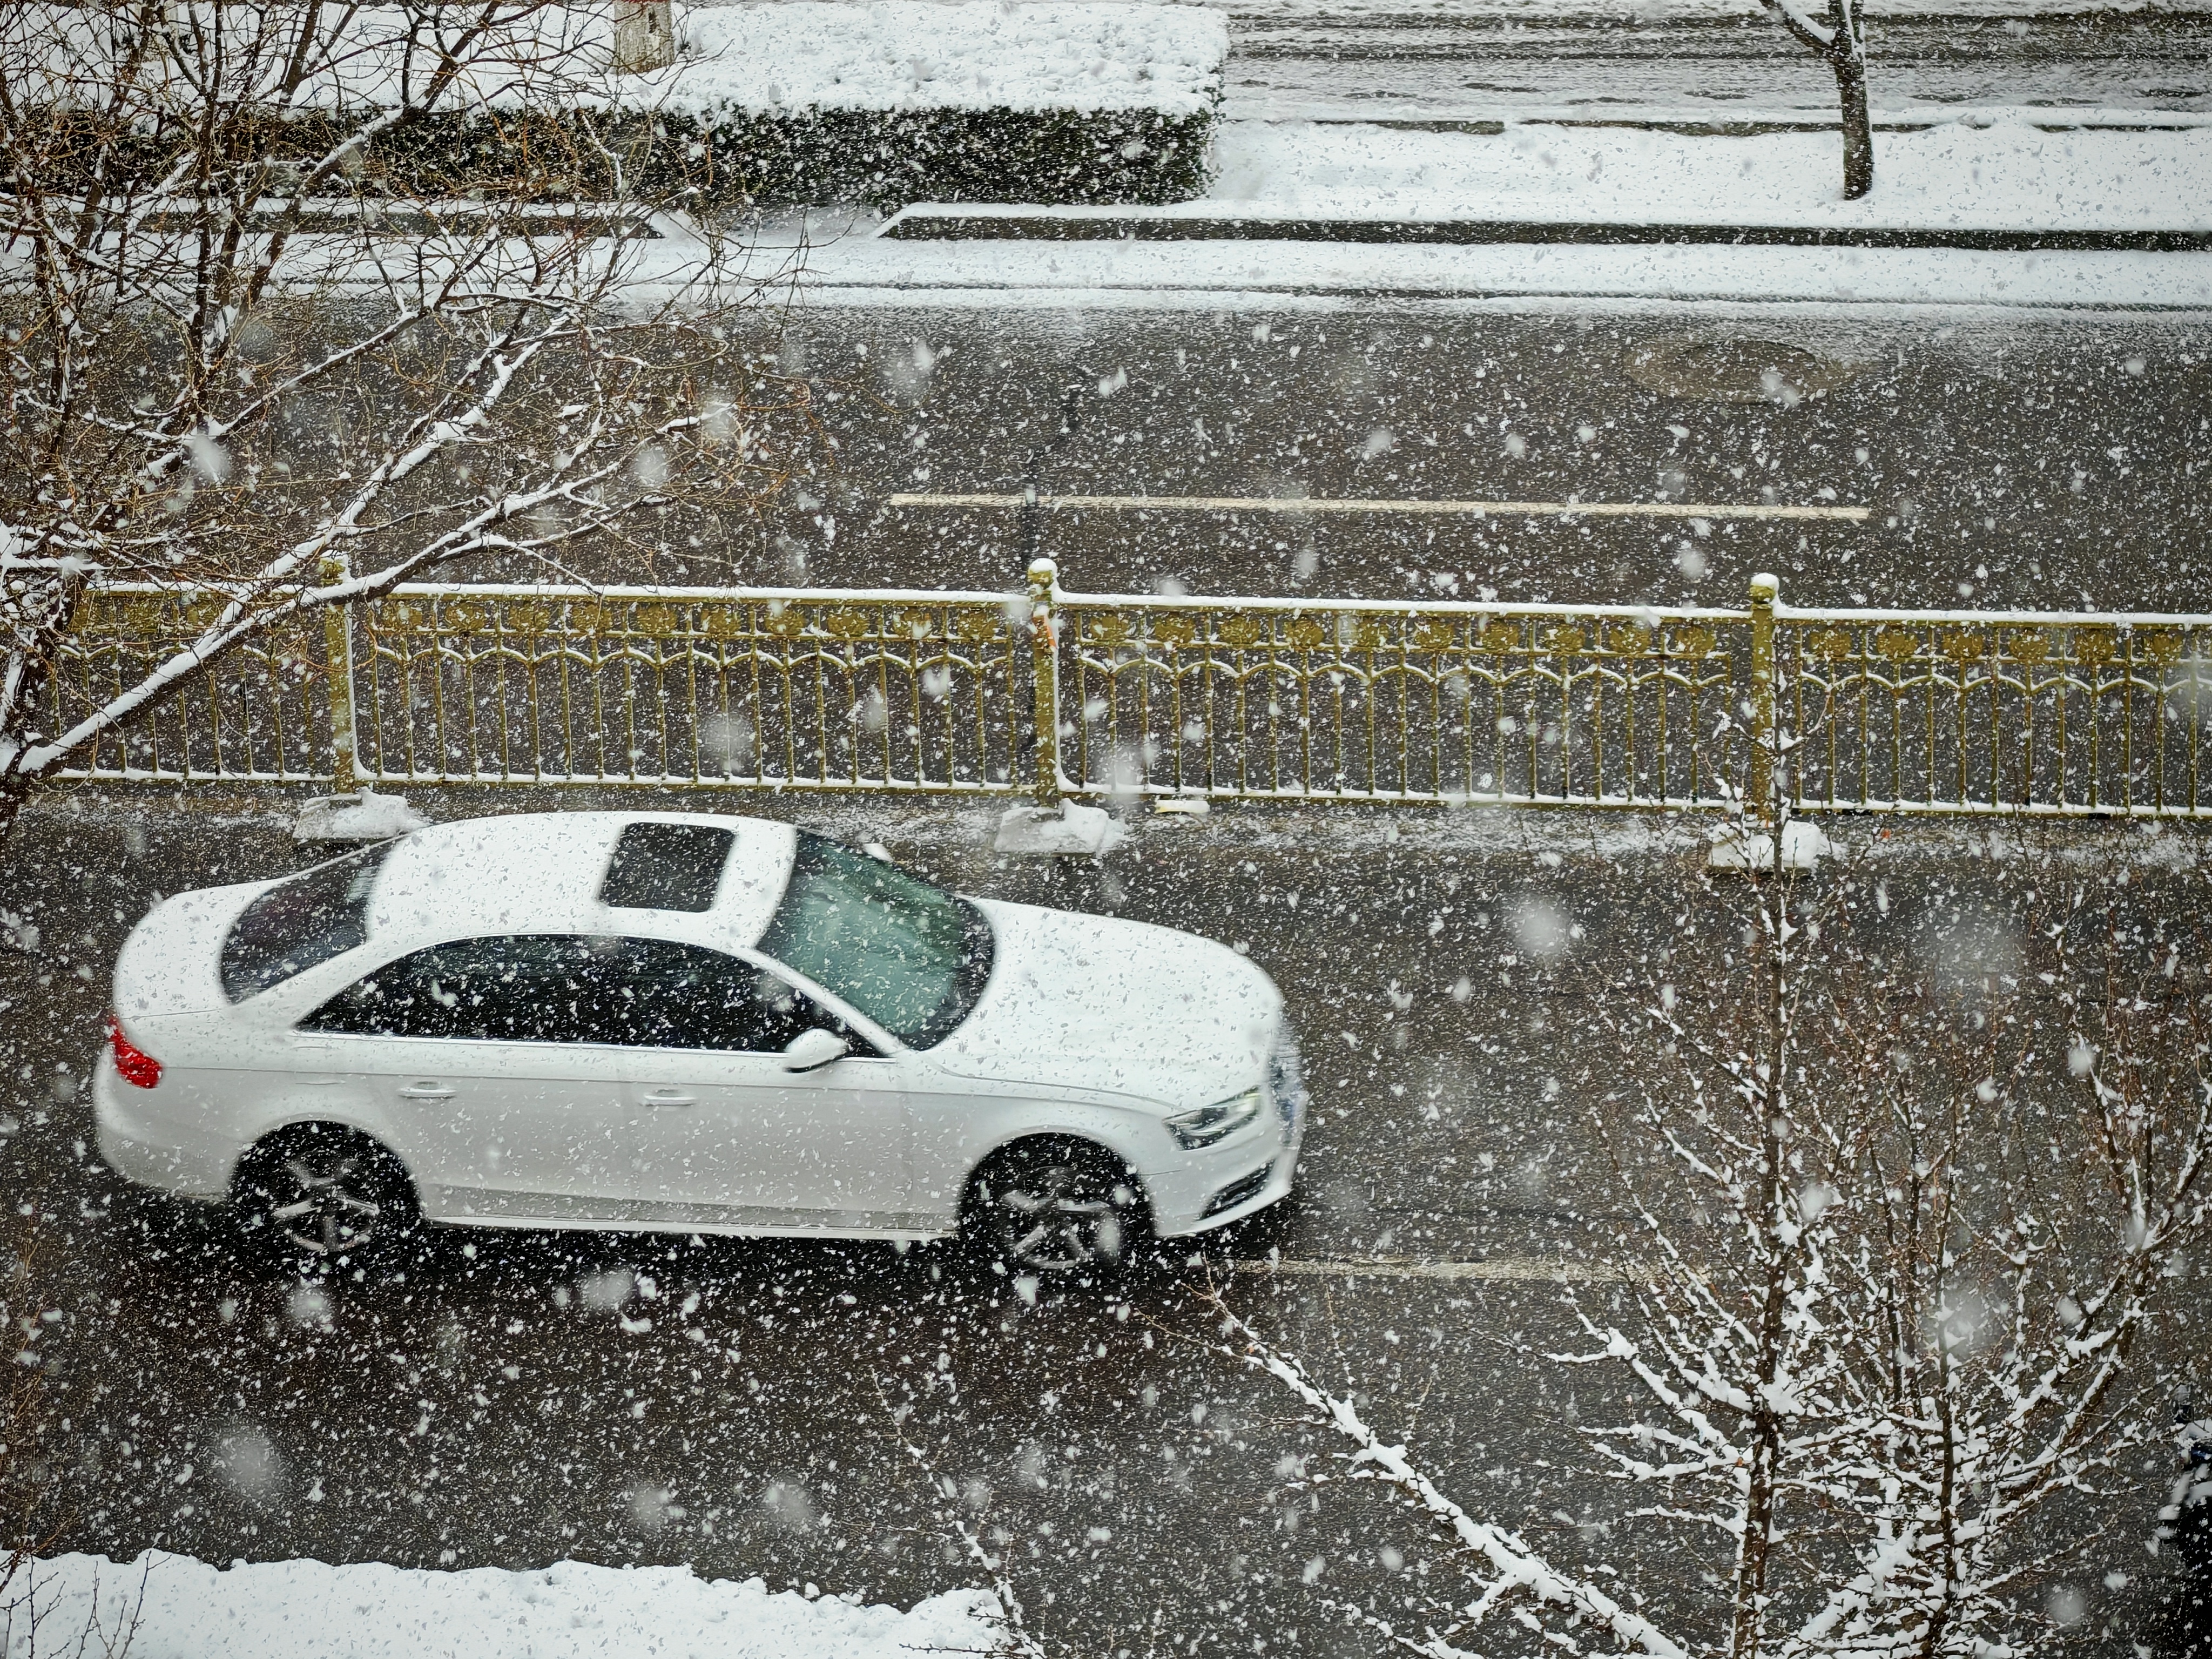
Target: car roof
539,872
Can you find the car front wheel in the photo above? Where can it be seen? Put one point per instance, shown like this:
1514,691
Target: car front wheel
319,1196
1056,1207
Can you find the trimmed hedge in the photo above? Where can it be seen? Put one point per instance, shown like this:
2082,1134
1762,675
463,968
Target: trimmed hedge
883,158
888,159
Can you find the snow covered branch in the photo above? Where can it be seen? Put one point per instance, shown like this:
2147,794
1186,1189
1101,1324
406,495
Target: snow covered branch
1900,1223
1515,1570
1020,1640
272,362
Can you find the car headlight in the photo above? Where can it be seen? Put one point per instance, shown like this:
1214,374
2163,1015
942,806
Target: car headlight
1207,1124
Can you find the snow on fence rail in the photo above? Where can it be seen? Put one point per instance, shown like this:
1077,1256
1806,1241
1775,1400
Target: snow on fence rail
1052,694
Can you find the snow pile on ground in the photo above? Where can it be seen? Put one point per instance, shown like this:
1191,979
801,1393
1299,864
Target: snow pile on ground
185,1609
362,815
1994,174
925,54
1073,831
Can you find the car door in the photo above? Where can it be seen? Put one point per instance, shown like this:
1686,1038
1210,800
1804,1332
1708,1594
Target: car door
728,1136
495,1079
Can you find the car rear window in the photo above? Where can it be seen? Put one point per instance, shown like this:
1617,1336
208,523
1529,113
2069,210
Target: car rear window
317,914
667,866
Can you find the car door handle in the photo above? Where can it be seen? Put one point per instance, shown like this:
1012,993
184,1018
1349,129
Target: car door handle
426,1091
669,1098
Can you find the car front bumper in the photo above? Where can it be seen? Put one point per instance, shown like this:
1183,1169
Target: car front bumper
1246,1174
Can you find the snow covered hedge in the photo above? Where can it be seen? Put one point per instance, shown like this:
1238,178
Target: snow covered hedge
806,101
812,100
771,56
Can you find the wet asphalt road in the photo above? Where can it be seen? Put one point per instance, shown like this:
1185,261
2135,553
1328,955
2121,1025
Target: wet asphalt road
1433,66
824,1414
827,1415
2006,462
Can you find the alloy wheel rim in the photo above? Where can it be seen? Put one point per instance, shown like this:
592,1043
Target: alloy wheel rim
1052,1223
327,1214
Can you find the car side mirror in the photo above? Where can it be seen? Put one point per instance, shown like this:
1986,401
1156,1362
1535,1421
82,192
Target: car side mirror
810,1051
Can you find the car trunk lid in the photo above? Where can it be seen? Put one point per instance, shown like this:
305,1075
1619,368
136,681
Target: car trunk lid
172,962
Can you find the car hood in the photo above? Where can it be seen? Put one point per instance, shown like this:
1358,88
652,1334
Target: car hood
1093,1002
172,962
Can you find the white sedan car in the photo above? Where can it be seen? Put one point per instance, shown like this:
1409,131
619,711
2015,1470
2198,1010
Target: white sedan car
688,1023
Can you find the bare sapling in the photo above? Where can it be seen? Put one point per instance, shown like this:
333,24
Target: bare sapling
1906,1190
1907,1206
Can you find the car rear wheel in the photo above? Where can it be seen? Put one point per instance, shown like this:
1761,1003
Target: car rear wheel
1056,1207
319,1196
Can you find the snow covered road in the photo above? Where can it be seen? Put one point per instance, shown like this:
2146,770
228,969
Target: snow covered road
1473,59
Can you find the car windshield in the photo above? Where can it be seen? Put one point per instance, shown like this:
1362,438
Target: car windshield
317,914
911,956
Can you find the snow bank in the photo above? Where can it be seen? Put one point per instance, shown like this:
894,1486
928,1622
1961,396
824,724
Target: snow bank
1073,831
924,54
283,1609
1999,173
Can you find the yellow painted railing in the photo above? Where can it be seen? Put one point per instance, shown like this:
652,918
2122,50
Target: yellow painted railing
1047,693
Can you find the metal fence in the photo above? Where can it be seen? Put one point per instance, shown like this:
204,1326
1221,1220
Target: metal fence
898,691
1049,693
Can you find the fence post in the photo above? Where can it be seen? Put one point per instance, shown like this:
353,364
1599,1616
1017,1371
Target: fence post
1044,662
1758,787
337,655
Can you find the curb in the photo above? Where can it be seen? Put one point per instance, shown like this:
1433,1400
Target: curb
927,223
1693,124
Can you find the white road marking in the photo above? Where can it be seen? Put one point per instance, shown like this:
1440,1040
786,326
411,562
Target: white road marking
1508,1269
1309,504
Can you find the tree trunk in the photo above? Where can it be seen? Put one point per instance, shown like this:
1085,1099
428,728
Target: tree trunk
1858,132
15,792
1754,1552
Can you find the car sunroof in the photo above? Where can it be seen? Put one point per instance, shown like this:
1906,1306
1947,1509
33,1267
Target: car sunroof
667,866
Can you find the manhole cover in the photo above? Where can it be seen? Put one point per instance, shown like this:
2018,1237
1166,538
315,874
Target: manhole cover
1729,370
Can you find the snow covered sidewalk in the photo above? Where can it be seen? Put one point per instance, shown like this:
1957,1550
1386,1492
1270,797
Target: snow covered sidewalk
1991,171
172,1607
1985,210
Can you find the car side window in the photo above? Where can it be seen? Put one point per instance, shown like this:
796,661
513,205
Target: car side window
526,987
701,998
540,988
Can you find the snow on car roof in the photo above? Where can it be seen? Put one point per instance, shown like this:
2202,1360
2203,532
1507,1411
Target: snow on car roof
539,872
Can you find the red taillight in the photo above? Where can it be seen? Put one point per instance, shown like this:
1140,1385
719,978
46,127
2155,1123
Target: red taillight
134,1064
